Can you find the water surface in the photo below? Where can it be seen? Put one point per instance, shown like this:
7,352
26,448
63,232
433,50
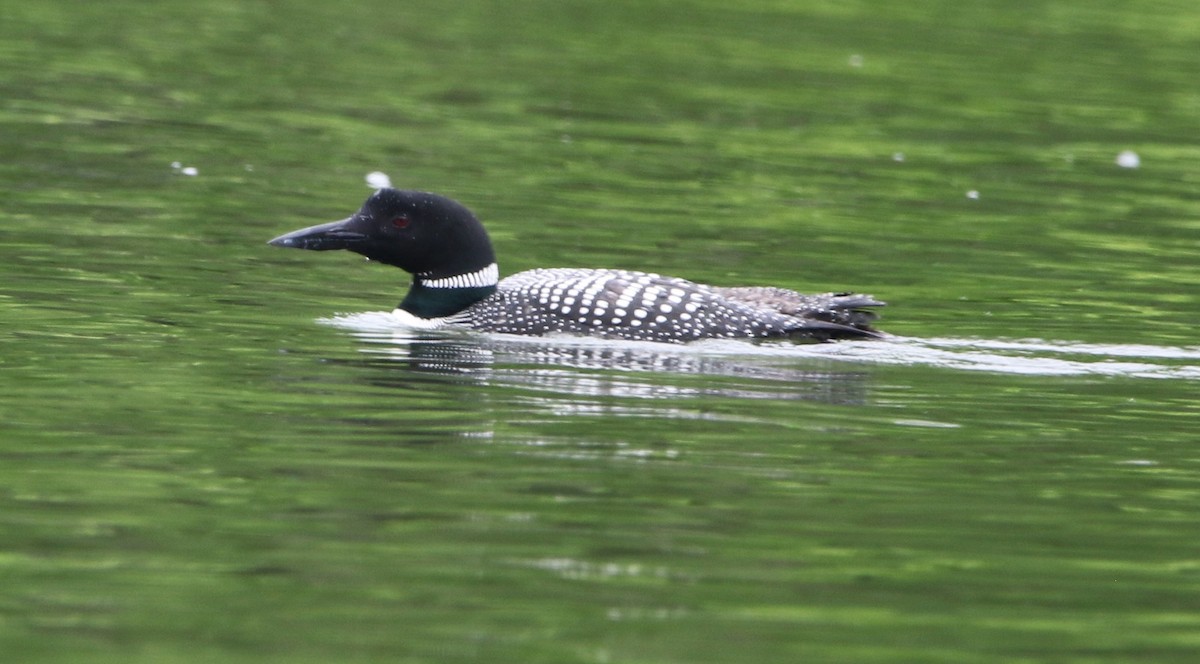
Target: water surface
214,450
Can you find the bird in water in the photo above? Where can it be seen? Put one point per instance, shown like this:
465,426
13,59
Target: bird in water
455,283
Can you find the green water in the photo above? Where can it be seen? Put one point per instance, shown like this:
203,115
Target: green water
210,450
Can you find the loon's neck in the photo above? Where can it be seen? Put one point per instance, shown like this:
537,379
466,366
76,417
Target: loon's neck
438,298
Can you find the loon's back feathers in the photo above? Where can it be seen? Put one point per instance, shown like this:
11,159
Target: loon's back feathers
455,282
624,304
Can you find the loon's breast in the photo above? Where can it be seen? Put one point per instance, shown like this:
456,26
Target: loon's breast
622,304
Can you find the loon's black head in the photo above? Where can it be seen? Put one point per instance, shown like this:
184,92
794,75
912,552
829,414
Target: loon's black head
428,235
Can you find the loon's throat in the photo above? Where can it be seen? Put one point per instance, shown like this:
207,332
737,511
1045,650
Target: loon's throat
438,298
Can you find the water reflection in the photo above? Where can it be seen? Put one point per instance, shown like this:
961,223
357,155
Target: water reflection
825,372
606,369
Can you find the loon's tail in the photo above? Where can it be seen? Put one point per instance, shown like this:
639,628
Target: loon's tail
820,330
851,314
823,317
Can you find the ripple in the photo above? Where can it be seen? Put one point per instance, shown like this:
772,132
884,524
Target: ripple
1032,357
1038,357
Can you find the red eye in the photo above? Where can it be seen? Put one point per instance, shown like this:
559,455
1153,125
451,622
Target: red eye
401,222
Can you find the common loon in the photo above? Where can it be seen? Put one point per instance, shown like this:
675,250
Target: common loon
456,282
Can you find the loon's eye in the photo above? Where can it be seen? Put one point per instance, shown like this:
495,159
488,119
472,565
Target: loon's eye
401,221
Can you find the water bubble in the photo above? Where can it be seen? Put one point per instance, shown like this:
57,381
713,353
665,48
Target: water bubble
378,180
1129,159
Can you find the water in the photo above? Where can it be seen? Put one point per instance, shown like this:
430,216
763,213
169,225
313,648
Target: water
214,450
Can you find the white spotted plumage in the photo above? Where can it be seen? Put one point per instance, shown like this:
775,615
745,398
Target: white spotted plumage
618,304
